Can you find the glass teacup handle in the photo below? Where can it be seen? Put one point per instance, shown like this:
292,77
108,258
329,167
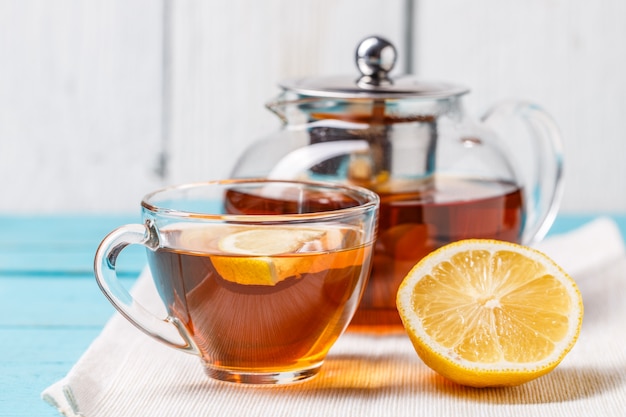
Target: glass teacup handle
168,330
537,150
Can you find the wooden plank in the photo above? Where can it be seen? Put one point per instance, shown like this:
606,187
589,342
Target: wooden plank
31,344
568,222
43,302
47,324
67,228
80,104
61,245
72,262
31,359
226,58
564,55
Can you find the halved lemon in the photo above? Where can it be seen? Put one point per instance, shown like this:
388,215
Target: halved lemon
265,256
489,313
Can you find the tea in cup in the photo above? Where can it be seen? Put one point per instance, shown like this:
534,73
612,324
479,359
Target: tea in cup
259,277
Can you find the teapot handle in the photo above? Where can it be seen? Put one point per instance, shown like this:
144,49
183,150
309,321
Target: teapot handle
538,162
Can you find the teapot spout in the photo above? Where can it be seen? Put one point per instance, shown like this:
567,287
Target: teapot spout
278,108
280,105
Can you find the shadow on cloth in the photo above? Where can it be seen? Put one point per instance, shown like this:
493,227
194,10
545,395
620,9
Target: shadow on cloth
560,385
359,377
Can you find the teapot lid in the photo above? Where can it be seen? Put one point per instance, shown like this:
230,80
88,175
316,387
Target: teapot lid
375,58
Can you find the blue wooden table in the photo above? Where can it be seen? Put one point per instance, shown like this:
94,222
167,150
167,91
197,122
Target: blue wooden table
51,308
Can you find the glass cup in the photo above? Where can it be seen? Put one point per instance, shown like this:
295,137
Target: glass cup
259,277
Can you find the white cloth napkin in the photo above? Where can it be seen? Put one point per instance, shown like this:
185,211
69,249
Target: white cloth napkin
126,373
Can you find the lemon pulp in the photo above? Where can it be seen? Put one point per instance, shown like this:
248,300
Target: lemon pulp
484,313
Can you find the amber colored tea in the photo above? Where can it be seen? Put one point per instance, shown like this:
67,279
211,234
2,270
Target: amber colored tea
260,313
413,225
287,201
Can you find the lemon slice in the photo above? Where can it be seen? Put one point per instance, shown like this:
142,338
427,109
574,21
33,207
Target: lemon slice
268,242
265,256
490,313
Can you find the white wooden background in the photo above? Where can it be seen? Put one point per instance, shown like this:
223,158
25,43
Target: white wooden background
104,100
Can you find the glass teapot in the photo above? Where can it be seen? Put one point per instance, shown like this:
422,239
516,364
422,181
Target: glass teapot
441,176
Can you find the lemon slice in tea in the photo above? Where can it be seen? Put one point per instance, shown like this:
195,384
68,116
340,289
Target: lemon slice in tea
489,313
266,256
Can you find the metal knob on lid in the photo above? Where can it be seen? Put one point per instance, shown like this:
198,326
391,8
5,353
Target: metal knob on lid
375,58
